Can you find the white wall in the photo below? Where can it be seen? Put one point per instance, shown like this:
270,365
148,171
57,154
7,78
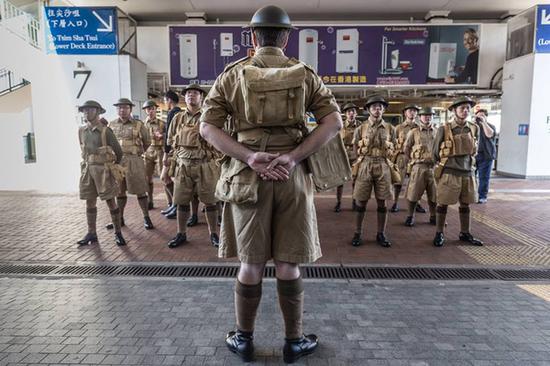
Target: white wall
538,164
153,48
54,108
492,51
516,99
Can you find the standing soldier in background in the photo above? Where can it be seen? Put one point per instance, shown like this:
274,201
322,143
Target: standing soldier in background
418,147
269,211
171,99
153,155
401,159
196,171
374,141
100,151
350,125
454,151
134,139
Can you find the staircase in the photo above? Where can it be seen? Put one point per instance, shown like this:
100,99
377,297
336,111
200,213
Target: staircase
22,24
10,82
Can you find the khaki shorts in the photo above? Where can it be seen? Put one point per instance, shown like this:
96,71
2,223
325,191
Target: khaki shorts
135,181
374,173
282,225
401,162
152,159
196,179
422,180
97,181
453,188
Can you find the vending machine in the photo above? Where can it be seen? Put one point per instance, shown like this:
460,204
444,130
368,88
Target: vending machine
347,50
442,57
308,49
188,55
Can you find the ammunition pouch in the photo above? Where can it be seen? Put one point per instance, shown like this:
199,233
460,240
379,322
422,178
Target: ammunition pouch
238,183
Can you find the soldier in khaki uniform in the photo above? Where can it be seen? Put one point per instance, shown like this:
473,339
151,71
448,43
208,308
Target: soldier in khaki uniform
418,147
454,152
134,140
196,170
401,159
100,151
269,211
374,141
350,125
153,155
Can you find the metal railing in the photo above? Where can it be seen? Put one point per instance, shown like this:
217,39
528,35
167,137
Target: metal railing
20,23
10,82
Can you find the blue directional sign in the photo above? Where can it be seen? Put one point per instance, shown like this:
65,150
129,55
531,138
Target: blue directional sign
542,35
81,30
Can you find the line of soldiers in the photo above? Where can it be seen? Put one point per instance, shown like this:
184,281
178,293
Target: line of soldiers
122,157
439,161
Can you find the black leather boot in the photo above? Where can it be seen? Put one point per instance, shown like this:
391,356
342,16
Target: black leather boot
168,209
394,208
420,209
178,240
382,240
119,239
296,348
409,221
356,241
147,223
215,240
467,237
338,207
241,343
192,220
439,239
110,225
89,238
432,220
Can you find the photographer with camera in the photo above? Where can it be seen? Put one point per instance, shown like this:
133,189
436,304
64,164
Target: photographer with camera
486,153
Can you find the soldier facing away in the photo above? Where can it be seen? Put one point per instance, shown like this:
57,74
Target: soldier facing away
269,211
454,151
100,151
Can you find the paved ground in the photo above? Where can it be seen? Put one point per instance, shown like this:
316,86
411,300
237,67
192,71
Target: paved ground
173,322
514,224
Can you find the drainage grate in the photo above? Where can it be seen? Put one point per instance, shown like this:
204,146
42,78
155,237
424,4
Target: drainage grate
31,269
520,274
309,272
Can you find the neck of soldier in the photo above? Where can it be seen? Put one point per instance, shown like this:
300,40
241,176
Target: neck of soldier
375,120
460,121
193,108
410,121
352,122
94,123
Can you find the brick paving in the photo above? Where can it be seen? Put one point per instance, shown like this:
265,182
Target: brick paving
180,322
43,228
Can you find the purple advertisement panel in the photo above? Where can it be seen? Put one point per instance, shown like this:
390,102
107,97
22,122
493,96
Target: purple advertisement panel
341,55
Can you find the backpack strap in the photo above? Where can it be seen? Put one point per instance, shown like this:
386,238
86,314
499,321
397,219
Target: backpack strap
104,136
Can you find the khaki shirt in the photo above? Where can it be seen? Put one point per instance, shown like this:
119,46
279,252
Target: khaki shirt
348,132
184,137
90,140
226,97
401,132
424,145
458,165
378,134
132,142
155,126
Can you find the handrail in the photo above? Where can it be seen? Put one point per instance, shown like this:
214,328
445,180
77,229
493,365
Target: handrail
20,23
10,82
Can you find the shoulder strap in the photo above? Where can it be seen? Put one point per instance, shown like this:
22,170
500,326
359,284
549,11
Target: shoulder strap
448,136
104,136
416,134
